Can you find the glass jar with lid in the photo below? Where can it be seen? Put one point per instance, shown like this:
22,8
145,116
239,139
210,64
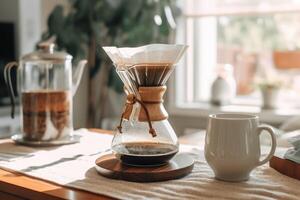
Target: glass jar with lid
46,84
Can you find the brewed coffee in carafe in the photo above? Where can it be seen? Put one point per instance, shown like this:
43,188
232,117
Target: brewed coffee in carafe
45,113
144,136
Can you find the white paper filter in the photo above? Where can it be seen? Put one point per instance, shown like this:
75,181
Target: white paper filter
152,53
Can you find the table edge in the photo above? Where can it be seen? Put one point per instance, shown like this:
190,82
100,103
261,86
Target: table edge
18,184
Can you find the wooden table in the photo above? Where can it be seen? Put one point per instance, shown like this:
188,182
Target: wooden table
14,186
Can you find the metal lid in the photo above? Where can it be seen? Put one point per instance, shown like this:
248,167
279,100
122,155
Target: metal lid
46,52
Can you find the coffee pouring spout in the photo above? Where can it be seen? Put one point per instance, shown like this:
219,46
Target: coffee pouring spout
77,74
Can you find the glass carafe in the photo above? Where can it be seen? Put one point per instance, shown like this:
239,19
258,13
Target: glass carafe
45,89
144,135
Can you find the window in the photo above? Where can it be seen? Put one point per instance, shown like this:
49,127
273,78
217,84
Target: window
251,35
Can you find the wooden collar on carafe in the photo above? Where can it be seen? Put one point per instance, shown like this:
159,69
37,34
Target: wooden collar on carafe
152,97
152,108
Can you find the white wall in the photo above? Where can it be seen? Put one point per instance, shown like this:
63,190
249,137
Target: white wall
30,27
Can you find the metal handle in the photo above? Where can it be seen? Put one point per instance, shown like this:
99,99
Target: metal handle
7,79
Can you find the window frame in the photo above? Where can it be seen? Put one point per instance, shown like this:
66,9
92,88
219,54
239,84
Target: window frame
179,107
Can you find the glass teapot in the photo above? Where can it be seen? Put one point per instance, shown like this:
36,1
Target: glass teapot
45,87
144,136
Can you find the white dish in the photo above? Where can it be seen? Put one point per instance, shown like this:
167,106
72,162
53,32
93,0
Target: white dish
18,139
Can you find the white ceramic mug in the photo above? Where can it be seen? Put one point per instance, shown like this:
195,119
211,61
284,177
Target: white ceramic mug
232,147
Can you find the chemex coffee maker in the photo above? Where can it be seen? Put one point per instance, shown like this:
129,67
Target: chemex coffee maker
144,137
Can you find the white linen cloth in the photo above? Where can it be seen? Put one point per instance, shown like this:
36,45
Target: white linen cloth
73,166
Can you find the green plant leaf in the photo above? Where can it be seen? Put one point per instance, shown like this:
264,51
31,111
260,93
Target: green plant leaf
56,20
114,80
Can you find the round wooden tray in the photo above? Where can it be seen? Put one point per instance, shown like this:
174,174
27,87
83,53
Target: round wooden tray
109,166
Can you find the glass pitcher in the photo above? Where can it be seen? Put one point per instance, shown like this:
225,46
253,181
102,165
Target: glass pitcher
144,135
45,87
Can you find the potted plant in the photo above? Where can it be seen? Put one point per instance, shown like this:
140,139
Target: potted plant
269,92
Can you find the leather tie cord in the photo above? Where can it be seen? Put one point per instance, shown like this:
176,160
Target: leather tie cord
131,99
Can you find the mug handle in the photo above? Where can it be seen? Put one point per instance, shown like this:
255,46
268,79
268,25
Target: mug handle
273,138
